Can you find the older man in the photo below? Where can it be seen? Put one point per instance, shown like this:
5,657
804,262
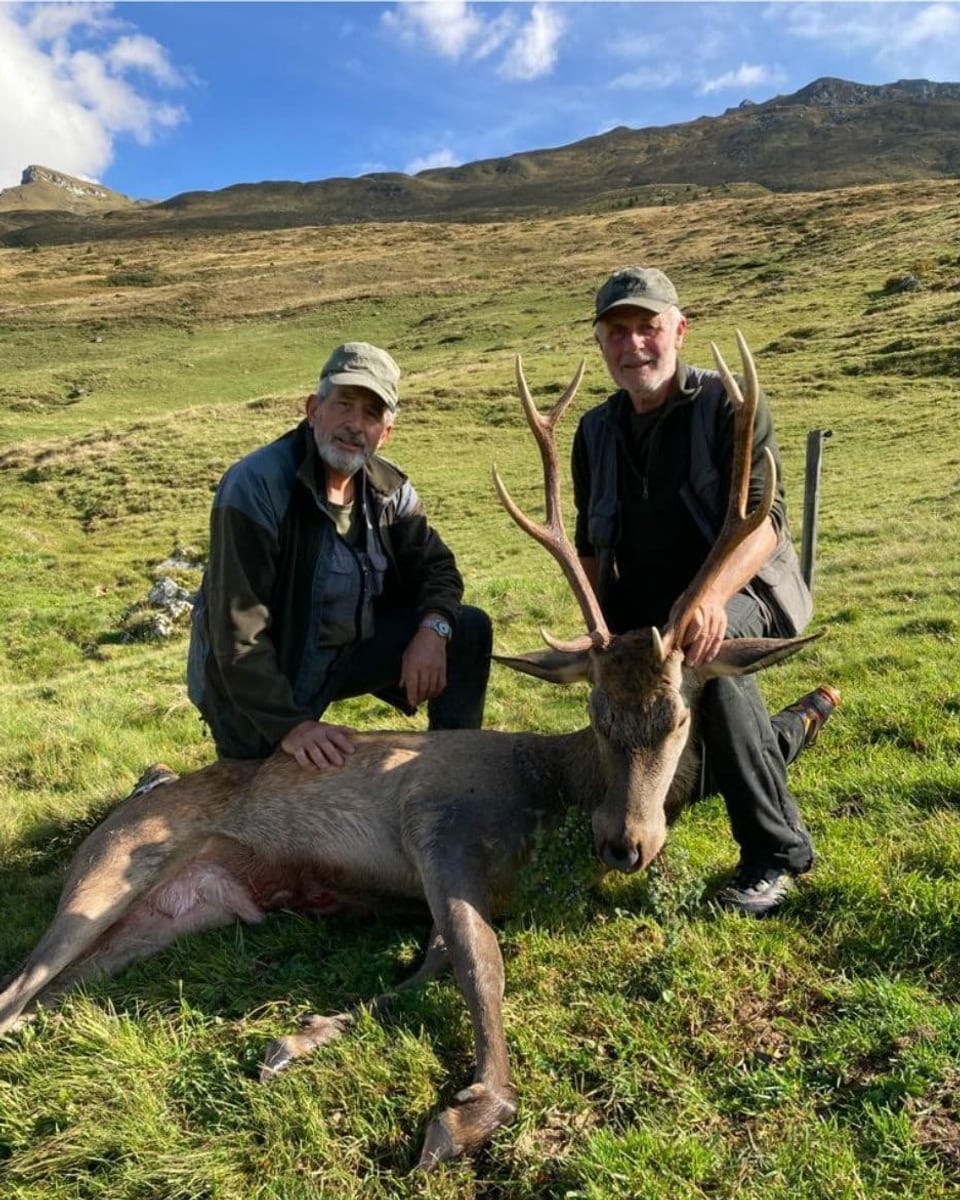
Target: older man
651,470
326,580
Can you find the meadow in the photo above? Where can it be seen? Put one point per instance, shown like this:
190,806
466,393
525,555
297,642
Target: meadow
660,1047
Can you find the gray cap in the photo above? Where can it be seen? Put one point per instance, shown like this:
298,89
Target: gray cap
358,364
640,287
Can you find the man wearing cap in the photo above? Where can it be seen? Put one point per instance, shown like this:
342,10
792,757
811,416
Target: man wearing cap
651,469
325,580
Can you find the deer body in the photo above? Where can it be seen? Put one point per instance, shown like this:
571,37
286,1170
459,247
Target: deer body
237,840
444,819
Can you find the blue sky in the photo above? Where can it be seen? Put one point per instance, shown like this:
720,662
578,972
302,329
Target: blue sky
155,99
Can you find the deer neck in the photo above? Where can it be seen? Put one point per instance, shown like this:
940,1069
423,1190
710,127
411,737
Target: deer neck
562,769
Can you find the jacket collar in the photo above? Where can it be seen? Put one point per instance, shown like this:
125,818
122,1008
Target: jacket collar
688,382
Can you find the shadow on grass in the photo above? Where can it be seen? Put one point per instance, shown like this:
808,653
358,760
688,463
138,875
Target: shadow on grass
904,930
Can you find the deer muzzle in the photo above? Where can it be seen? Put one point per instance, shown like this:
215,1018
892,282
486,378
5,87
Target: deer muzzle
631,847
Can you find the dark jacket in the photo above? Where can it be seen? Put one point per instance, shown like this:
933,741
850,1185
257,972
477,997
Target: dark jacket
702,403
283,593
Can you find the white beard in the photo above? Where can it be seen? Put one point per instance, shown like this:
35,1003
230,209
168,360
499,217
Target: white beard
344,461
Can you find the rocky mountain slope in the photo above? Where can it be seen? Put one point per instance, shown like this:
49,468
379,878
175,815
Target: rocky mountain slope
42,189
830,134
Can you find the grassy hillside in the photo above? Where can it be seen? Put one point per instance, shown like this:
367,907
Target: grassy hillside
660,1048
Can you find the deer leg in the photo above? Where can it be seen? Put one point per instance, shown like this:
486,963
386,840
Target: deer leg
316,1030
93,937
476,1112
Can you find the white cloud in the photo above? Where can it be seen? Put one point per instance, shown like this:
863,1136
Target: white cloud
744,76
936,24
449,26
428,162
139,53
46,22
73,78
495,33
909,39
460,31
638,45
534,52
649,79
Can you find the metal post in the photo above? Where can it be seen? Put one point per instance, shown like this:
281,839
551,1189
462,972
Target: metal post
811,503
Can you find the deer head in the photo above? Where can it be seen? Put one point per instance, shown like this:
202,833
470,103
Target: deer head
643,698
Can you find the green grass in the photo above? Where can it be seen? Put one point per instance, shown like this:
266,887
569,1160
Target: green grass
660,1048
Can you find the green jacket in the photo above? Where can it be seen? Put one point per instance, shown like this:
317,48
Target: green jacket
283,593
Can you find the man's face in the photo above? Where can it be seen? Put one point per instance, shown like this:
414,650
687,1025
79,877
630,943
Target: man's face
349,426
640,349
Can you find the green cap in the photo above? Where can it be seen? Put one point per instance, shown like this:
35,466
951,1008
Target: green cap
639,287
358,364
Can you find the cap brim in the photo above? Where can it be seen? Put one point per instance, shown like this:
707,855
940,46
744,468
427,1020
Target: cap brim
361,379
648,304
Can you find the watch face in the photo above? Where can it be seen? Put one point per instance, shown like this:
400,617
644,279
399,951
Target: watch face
438,626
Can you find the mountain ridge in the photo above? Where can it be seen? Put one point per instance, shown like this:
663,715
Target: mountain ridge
831,133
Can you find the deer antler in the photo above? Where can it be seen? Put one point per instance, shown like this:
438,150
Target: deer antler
737,523
552,535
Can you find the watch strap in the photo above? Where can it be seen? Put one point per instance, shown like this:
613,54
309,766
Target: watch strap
439,626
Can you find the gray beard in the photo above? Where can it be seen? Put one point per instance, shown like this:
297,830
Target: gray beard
341,460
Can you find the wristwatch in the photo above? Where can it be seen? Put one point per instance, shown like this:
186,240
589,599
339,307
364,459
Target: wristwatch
438,625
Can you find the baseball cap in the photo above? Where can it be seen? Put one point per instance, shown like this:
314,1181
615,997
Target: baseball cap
361,365
641,287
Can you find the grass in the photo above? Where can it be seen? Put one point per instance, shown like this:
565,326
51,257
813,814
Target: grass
659,1047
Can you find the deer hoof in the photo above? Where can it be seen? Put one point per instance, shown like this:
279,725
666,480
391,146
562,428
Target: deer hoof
474,1115
315,1032
278,1054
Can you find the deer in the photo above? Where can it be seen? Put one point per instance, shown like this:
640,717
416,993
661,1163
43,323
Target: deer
444,819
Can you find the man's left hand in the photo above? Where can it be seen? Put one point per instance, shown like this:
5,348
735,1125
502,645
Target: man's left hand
423,669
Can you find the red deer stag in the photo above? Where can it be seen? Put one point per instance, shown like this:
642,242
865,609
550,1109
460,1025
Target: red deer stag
445,817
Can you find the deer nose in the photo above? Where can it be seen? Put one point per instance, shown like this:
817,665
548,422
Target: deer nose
619,856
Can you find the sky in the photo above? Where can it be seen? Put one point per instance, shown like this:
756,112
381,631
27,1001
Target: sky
155,99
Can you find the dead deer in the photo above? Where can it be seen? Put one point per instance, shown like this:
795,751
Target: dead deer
447,817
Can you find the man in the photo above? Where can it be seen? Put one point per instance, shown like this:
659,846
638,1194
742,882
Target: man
325,580
651,471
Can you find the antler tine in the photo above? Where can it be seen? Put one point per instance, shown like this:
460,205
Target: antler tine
737,523
745,405
552,535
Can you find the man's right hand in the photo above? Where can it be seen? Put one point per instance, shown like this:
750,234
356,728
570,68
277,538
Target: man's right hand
318,746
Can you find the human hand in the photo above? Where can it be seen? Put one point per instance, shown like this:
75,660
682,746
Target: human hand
705,633
423,669
318,745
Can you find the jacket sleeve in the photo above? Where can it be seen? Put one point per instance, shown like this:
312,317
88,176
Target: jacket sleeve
239,584
425,564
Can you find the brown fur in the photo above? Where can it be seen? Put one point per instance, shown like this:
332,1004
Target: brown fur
444,819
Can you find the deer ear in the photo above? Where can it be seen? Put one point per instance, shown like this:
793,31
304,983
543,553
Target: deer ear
743,656
555,666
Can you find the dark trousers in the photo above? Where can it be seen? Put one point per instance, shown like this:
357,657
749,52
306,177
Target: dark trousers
372,667
747,756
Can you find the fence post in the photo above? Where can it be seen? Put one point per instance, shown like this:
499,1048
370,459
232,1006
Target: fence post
811,503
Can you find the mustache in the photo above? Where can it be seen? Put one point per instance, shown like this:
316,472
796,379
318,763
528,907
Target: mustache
356,440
